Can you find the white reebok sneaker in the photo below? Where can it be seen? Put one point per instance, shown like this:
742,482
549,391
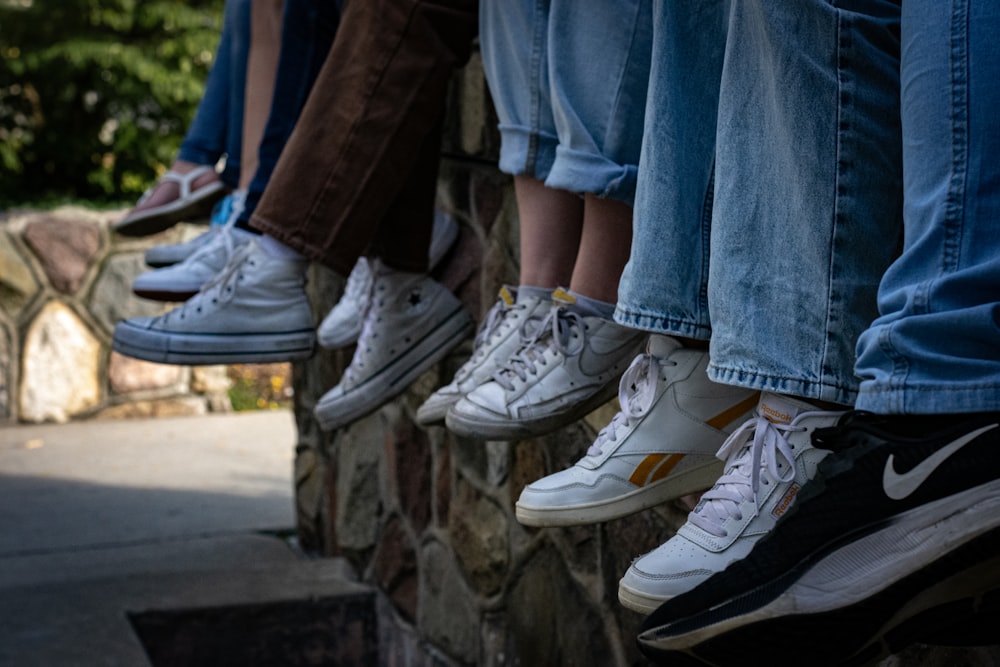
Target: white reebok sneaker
569,366
660,446
227,209
183,280
768,459
501,334
413,321
254,311
342,325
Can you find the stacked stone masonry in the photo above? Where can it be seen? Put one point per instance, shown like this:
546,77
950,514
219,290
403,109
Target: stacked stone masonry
65,280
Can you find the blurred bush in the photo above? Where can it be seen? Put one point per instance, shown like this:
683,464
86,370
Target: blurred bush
95,95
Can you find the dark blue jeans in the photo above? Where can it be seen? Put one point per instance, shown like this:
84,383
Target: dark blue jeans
217,128
307,31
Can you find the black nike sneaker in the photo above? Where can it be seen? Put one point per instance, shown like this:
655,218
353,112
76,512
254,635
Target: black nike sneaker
896,539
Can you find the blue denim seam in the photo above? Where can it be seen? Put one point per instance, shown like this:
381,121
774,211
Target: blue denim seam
658,323
535,110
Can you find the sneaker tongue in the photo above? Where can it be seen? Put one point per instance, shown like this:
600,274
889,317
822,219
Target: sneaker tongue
781,409
506,296
661,346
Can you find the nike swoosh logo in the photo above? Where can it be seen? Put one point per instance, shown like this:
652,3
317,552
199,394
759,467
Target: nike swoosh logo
898,486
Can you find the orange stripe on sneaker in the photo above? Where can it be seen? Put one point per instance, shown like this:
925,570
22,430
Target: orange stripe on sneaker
666,467
642,471
730,414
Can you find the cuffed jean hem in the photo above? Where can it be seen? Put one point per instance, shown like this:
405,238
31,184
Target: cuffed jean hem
803,388
659,324
524,152
923,399
581,171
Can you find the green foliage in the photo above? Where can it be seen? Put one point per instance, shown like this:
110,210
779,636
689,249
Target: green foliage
95,95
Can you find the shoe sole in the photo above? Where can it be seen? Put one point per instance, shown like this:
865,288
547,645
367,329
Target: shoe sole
211,349
669,488
908,555
957,596
155,220
638,601
392,380
164,295
471,427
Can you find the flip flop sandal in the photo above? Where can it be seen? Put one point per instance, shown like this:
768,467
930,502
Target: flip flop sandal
190,204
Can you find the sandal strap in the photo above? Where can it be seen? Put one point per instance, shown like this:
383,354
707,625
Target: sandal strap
183,181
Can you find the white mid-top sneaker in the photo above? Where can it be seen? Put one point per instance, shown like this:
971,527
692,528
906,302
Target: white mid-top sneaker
342,325
567,368
501,334
183,280
254,311
661,446
413,321
768,459
226,212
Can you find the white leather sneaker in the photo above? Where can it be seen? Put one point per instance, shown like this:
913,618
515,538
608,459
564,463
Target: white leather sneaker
254,311
661,446
342,325
569,366
413,321
501,334
768,459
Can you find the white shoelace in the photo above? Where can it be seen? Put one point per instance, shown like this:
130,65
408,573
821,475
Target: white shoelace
556,331
756,443
359,283
635,396
224,236
221,287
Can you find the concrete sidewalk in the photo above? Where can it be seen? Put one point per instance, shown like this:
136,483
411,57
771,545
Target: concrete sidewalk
99,519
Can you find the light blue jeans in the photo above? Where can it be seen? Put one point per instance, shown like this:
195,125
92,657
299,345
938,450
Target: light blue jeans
569,86
769,200
935,348
217,127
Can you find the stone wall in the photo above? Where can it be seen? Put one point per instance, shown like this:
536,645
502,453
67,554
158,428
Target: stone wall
427,517
65,280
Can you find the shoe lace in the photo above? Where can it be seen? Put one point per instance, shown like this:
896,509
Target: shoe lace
561,329
635,396
365,344
219,288
225,235
756,443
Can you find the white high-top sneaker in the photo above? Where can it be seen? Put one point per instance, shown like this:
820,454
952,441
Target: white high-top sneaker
661,446
768,459
211,251
413,321
501,334
342,325
569,366
255,310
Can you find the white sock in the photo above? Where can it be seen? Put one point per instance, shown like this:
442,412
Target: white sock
277,249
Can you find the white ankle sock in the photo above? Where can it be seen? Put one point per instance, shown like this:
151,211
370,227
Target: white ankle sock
277,249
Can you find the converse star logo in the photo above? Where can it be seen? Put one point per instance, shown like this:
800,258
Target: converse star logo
414,298
899,486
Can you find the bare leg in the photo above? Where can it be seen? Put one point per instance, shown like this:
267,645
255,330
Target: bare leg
262,66
551,223
604,248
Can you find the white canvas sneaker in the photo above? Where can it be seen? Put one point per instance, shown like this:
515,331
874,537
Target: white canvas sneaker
226,211
254,311
768,459
413,322
569,366
501,334
342,325
183,280
660,446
